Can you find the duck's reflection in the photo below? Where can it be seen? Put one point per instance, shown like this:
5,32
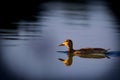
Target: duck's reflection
96,53
69,59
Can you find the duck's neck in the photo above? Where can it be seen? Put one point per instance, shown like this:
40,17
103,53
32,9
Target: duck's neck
70,48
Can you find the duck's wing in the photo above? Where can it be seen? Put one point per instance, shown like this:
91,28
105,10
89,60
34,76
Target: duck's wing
92,50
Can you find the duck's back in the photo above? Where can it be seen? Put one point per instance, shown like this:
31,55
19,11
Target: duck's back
91,53
92,50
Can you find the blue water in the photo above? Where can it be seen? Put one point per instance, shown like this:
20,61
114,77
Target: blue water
31,52
114,53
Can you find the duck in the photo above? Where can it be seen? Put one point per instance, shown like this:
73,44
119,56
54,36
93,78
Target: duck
83,52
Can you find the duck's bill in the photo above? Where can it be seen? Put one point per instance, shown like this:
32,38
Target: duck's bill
61,45
60,59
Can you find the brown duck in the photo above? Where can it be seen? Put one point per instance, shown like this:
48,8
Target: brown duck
83,52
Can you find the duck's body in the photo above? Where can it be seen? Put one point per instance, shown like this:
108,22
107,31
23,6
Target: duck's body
91,53
85,52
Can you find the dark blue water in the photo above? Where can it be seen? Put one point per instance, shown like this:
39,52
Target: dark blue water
31,51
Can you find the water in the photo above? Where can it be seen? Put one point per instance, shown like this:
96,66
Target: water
31,51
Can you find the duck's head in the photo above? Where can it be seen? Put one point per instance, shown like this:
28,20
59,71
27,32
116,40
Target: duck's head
68,43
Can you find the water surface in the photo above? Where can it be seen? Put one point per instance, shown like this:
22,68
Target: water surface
31,51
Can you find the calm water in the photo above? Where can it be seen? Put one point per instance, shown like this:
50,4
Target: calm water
30,52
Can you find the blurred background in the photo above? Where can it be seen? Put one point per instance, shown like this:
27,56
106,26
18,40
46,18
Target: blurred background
31,30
